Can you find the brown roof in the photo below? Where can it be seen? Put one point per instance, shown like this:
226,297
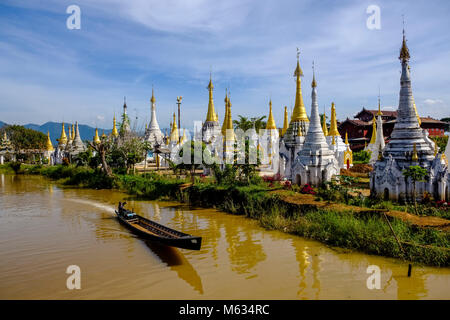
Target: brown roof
384,112
356,122
431,120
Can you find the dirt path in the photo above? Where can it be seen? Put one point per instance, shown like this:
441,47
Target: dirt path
421,221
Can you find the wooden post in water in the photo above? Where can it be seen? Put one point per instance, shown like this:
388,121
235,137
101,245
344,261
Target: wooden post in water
399,244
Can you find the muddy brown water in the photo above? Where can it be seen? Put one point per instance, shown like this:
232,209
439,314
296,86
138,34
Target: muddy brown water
44,228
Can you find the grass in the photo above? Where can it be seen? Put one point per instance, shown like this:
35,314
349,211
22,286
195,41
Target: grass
369,234
362,232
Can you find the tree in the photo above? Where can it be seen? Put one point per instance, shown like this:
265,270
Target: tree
22,138
441,142
416,174
361,156
192,166
103,149
245,123
446,119
131,148
241,170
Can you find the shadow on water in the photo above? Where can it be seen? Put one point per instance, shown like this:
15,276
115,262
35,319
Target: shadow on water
178,263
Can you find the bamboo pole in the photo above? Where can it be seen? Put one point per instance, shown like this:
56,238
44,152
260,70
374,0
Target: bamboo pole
399,244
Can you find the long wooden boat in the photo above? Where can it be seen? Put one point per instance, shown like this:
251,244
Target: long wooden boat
153,231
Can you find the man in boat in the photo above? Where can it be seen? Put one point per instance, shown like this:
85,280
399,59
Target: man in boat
121,207
126,214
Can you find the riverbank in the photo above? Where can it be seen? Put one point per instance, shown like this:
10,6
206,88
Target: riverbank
362,230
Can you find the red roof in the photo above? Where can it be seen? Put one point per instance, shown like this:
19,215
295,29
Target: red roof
356,122
431,120
374,112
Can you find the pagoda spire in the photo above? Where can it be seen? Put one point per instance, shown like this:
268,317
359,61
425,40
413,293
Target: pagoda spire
404,51
373,139
315,148
324,123
229,133
286,122
63,137
174,136
333,122
114,132
211,115
270,121
96,137
154,132
152,99
48,145
379,105
69,129
224,124
299,112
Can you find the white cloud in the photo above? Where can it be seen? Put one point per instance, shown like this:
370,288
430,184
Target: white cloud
433,101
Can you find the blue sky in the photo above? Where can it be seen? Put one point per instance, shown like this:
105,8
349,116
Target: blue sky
51,73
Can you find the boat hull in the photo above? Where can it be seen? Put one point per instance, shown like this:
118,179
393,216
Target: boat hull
184,241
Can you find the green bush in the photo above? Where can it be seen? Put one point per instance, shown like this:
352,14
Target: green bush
361,157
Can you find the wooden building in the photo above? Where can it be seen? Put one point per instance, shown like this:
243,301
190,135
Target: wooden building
359,130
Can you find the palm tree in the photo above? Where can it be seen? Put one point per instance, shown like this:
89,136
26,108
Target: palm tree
245,123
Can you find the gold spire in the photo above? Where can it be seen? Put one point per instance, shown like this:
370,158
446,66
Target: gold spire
285,123
414,155
333,142
73,131
415,109
103,134
153,100
324,124
184,137
48,145
435,148
63,137
313,83
229,133
346,137
114,130
271,121
96,137
70,133
224,124
333,122
374,132
174,136
379,107
299,112
211,115
404,51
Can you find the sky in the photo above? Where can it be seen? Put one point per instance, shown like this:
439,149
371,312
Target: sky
51,73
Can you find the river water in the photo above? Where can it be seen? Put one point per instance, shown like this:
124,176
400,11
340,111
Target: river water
44,228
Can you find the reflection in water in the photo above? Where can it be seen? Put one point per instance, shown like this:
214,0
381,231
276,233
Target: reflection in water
301,254
245,252
178,263
156,212
238,260
408,289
